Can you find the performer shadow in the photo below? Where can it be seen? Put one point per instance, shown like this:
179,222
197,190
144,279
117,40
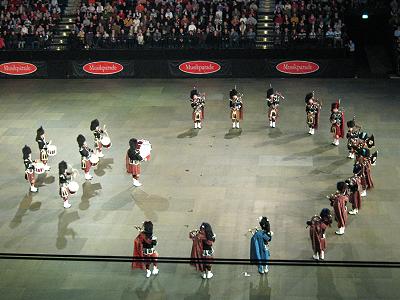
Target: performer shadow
233,133
284,140
202,293
89,190
64,220
150,204
262,291
25,205
326,287
319,150
190,133
104,164
148,289
331,167
43,180
118,201
275,133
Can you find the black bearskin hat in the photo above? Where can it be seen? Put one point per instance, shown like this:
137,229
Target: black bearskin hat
148,228
81,140
26,151
232,93
326,215
363,135
270,92
351,124
62,166
308,97
40,131
335,105
193,93
363,152
264,224
94,124
133,143
208,231
341,186
371,141
357,169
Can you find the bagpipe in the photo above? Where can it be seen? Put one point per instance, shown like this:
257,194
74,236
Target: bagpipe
313,110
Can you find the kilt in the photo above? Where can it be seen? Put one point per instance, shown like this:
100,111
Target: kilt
134,169
85,165
30,177
44,157
198,115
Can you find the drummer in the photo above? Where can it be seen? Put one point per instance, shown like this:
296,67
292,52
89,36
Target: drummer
98,135
64,178
87,156
41,140
29,168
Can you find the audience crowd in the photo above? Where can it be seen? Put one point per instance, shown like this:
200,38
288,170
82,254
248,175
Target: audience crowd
319,22
165,23
395,23
28,24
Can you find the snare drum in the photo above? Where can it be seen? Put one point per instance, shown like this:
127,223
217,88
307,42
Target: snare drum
51,150
144,149
73,187
39,168
94,160
106,141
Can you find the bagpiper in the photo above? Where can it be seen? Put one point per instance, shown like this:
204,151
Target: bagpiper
259,245
355,189
337,122
365,160
197,102
43,144
273,100
318,226
98,133
236,106
144,253
352,137
313,107
88,157
338,202
202,253
133,160
29,167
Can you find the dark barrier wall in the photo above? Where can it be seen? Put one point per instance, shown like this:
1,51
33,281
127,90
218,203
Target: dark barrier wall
175,64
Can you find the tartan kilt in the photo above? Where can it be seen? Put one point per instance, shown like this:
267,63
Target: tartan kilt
85,165
239,114
200,116
30,177
134,169
44,157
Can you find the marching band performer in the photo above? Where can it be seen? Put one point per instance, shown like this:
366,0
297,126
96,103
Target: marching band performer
273,100
144,253
364,160
355,189
86,153
338,202
202,252
197,103
29,167
313,108
41,140
133,160
259,245
236,105
352,137
337,122
64,178
97,132
318,225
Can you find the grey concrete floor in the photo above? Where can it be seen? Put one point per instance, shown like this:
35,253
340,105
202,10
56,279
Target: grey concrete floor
225,177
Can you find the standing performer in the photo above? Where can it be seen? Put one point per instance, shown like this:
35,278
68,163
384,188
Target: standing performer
352,137
29,167
259,245
98,133
355,189
87,156
338,201
133,160
313,107
41,140
64,178
273,100
337,122
236,105
197,103
202,252
364,159
318,225
144,253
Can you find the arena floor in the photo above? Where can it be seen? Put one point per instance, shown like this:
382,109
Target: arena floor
223,176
